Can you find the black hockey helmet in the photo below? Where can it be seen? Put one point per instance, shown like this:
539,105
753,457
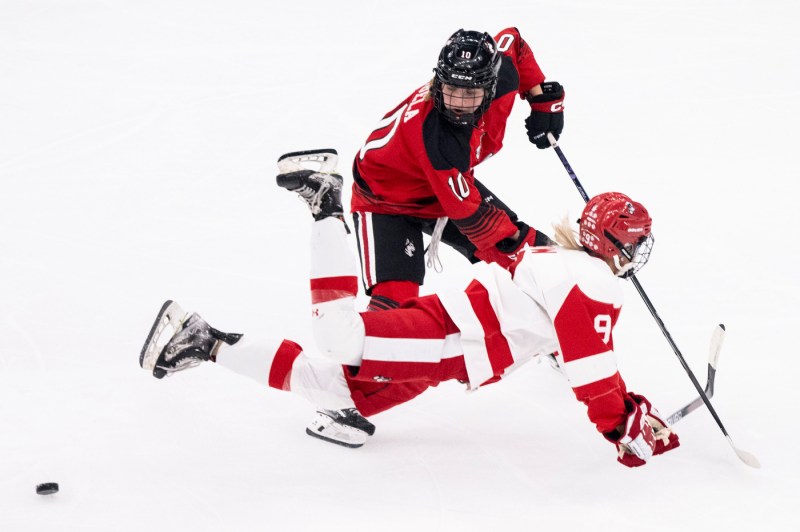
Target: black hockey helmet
468,59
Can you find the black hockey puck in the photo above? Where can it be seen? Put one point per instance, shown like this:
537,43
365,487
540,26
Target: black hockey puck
48,488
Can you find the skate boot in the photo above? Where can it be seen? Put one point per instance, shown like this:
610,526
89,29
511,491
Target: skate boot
321,189
343,427
178,341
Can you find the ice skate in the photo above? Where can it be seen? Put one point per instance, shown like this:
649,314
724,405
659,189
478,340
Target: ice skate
343,427
179,341
321,189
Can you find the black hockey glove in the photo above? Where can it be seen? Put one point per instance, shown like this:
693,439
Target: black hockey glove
547,114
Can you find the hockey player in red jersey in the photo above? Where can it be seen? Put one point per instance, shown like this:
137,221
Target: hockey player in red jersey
417,166
560,298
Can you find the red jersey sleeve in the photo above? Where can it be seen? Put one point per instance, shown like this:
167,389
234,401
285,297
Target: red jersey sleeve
511,44
482,223
584,327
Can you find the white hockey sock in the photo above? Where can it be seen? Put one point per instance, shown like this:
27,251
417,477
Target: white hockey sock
249,357
283,365
338,328
331,256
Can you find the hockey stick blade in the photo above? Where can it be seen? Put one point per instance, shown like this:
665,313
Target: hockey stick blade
714,350
744,456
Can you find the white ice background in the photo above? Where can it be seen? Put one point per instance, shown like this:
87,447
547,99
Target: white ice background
138,142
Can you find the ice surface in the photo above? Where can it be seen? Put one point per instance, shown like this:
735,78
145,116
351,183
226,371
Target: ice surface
138,143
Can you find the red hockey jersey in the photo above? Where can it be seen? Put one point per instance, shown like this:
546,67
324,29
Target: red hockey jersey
417,163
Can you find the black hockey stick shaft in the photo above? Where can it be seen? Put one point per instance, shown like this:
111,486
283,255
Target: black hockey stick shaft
746,457
569,170
677,352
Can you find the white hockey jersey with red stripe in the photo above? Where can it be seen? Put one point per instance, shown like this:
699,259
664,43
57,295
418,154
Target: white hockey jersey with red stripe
558,300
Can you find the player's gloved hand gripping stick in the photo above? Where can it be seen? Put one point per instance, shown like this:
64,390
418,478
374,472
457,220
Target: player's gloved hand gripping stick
744,456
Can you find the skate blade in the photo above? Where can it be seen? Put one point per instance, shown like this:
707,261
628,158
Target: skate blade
325,161
324,427
332,440
169,321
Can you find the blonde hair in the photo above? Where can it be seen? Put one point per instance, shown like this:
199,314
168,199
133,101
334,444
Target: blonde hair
429,94
566,236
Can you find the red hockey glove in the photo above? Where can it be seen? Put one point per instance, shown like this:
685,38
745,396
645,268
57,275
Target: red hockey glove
643,435
547,114
504,253
666,440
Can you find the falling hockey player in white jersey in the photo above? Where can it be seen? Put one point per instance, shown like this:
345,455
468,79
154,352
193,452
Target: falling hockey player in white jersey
563,299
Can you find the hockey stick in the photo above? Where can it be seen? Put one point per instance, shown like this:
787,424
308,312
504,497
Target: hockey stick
744,456
713,358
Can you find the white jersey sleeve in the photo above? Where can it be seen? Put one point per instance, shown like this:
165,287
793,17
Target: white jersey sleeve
501,326
583,299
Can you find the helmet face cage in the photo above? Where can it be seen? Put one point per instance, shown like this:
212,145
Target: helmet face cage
614,226
469,59
637,255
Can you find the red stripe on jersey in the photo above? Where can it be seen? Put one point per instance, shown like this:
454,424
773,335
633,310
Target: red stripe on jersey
496,344
331,288
280,372
483,232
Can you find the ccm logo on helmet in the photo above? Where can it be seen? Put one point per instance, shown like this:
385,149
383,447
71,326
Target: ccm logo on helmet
461,76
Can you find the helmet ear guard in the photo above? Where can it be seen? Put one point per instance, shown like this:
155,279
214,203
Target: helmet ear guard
469,59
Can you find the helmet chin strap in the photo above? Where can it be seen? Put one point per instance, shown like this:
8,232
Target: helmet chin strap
622,270
626,270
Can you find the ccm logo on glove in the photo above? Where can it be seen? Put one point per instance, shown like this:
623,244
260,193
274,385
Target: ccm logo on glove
547,114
